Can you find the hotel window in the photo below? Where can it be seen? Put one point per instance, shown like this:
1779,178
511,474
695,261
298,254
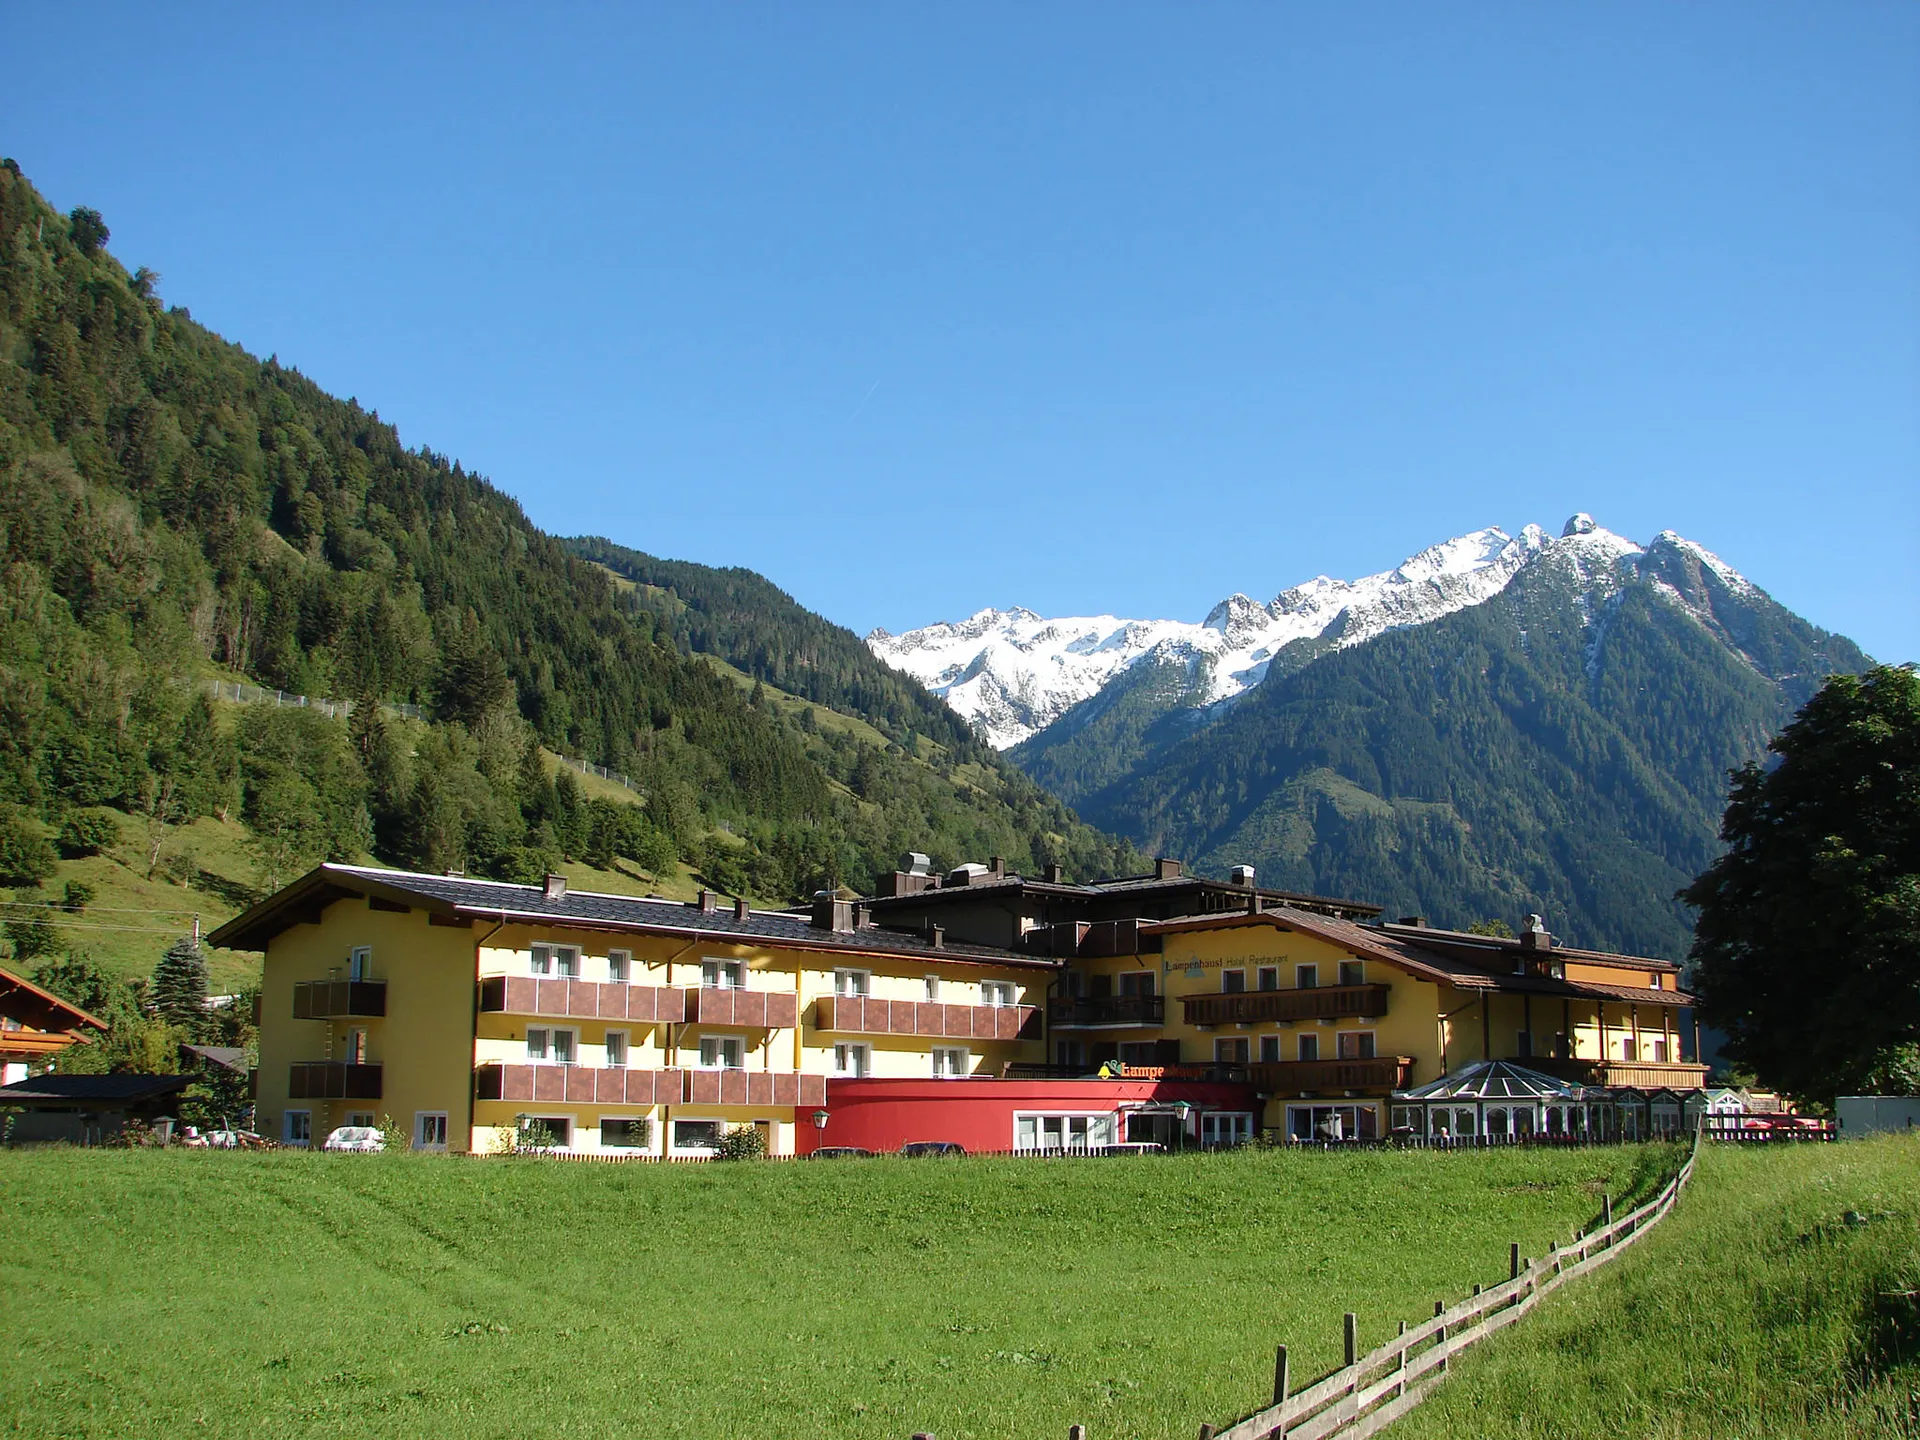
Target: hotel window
360,964
356,1046
723,1052
1309,1047
1062,1132
1628,1051
696,1135
851,1062
546,1046
997,992
853,982
1269,1049
1136,982
616,1049
1233,982
561,961
627,1134
1354,1045
297,1127
1230,1052
1139,1052
362,1119
430,1130
1353,972
950,1062
1306,977
619,966
1659,1052
723,974
933,987
1069,1052
1269,977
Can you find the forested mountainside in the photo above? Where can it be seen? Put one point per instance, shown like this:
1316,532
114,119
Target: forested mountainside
173,509
1562,747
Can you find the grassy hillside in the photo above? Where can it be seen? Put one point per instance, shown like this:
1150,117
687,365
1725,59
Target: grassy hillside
1782,1298
176,1294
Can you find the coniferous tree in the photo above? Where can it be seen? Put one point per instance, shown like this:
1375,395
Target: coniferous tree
178,992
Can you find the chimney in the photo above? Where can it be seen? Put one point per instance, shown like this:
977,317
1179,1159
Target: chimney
556,887
1535,936
1418,922
1255,901
704,902
831,912
862,915
1054,874
997,866
937,936
740,910
1241,875
1165,869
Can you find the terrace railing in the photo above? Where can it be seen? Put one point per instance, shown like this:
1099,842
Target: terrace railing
1250,1007
335,999
1071,1012
332,1080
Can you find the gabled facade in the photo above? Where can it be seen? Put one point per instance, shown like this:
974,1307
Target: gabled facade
36,1026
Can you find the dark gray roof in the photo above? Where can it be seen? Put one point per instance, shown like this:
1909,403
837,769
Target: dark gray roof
462,897
71,1088
233,1057
1142,885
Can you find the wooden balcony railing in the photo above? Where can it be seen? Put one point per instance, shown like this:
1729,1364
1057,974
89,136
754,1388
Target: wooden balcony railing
1640,1074
1376,1074
333,999
1077,1012
755,1087
1250,1007
580,1085
866,1015
332,1080
767,1009
589,999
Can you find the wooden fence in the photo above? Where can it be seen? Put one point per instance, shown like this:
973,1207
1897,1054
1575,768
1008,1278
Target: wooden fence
1371,1391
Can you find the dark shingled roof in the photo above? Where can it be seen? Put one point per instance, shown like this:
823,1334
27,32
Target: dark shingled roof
459,897
1126,885
80,1088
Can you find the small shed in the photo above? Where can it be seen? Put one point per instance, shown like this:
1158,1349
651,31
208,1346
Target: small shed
1877,1114
1492,1101
86,1109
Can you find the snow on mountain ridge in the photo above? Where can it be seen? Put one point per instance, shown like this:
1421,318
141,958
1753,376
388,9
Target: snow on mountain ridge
1013,672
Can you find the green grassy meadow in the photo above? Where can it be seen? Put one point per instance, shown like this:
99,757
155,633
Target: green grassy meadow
178,1293
1780,1299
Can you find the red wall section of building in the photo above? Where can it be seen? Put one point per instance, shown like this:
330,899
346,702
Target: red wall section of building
883,1115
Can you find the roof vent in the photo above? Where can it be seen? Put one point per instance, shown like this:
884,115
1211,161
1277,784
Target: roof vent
1418,922
704,902
937,936
556,888
1535,936
1241,875
830,912
1054,874
740,911
914,863
1165,869
971,873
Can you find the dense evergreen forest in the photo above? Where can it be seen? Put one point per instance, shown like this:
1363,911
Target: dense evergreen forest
173,510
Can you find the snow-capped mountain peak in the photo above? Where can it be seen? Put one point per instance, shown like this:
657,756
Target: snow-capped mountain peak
1013,672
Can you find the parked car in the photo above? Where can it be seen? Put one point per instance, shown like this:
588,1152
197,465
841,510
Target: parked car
932,1147
355,1137
841,1152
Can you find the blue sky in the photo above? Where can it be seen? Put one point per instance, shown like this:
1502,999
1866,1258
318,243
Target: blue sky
1087,308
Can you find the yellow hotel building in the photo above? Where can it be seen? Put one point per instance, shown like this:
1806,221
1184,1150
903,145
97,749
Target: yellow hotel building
464,1008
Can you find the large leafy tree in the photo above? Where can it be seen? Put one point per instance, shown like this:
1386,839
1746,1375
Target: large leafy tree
1808,943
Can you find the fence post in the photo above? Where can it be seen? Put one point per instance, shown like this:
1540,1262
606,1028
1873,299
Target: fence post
1440,1335
1076,1432
1206,1431
1280,1375
1401,1388
1352,1326
1606,1210
1513,1260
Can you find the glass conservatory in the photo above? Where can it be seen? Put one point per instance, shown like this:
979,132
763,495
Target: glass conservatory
1499,1102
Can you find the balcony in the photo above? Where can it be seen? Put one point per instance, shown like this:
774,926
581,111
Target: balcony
1251,1007
865,1015
339,999
1083,1013
1639,1074
720,1005
332,1080
579,1085
1376,1075
755,1087
577,999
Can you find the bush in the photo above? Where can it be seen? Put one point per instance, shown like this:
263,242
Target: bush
83,833
741,1142
25,856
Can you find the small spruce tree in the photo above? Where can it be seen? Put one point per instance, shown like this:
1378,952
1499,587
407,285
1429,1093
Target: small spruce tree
179,989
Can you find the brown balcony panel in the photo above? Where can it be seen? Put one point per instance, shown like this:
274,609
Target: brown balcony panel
332,1080
590,999
1071,1012
765,1009
865,1015
331,999
1379,1072
1252,1007
579,1085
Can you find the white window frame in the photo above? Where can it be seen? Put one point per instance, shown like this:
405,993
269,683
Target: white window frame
1270,1043
933,989
721,1047
852,983
1260,974
720,974
626,1049
551,960
674,1147
999,993
1359,968
852,1060
288,1127
362,1120
422,1121
360,963
1305,1042
1239,973
1230,1044
1063,1123
606,1120
1239,1122
1372,1039
957,1060
1306,977
619,967
548,1046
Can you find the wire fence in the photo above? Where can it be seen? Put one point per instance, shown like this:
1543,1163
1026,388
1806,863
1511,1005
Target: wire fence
341,709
